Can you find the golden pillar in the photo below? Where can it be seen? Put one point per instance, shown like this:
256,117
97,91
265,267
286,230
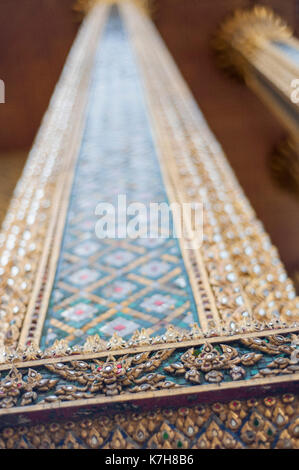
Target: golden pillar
258,46
229,379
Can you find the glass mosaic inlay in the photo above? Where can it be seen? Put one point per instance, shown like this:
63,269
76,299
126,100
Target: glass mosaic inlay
103,286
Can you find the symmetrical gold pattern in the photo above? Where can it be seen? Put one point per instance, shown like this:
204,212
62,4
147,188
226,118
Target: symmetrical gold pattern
271,422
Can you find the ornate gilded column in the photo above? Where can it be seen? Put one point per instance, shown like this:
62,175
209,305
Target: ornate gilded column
140,342
258,46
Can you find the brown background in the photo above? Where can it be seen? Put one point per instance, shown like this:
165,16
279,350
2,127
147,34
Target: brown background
35,36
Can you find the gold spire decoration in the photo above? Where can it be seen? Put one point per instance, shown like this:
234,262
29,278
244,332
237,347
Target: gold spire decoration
242,32
123,394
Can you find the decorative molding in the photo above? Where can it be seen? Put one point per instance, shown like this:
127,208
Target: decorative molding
174,372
